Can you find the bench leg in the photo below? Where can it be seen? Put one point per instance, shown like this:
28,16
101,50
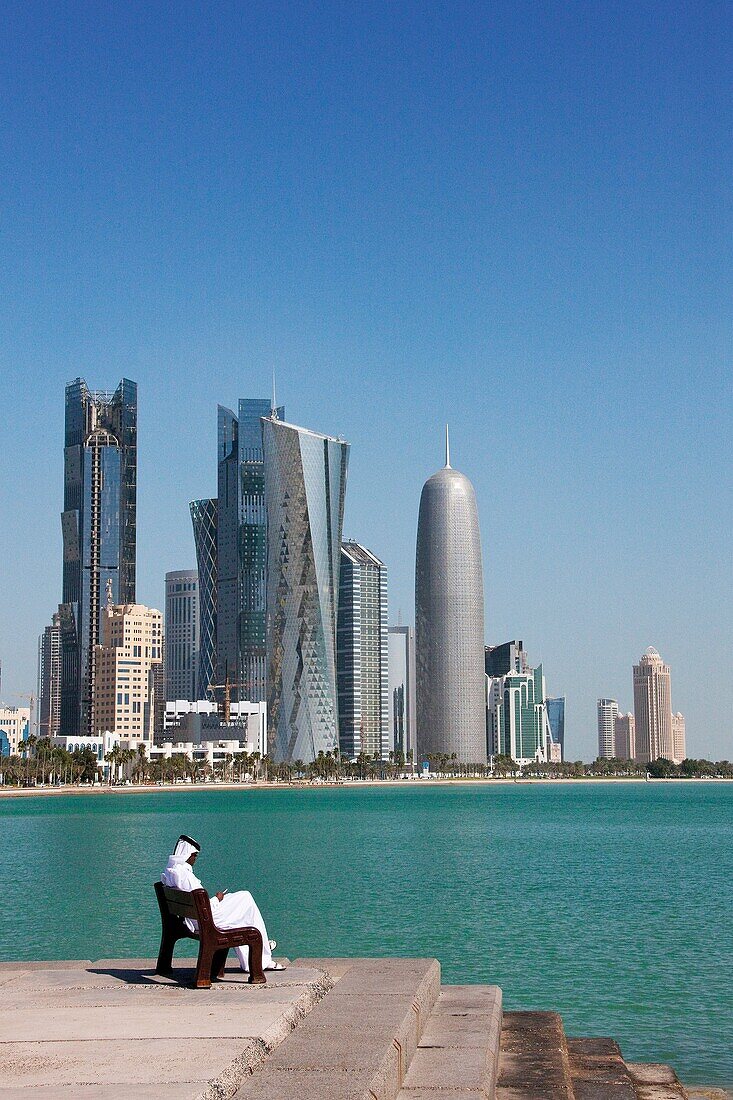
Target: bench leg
164,964
219,963
256,973
202,978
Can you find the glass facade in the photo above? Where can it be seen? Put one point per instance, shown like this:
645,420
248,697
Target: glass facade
401,646
362,654
241,656
521,715
99,532
204,520
305,489
556,718
181,635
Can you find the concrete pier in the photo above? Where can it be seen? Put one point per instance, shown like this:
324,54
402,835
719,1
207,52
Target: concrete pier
324,1029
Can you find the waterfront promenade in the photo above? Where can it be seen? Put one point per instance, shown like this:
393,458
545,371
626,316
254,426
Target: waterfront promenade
324,1029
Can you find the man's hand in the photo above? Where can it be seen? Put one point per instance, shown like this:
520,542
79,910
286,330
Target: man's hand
220,895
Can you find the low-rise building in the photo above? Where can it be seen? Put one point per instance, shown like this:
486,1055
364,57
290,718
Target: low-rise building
197,722
14,728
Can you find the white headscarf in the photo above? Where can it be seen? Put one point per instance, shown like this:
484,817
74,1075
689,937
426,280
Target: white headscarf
185,847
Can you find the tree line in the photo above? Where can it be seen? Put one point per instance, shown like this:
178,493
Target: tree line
39,762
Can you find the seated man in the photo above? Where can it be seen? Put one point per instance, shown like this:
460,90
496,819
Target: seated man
237,910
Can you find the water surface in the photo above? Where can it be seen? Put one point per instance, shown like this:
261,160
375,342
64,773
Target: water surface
611,903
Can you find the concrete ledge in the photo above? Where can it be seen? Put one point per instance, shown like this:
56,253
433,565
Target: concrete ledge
359,1041
459,1048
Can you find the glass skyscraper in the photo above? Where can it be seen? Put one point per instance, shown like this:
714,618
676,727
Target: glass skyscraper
518,702
204,520
242,550
362,654
99,532
556,718
182,631
305,489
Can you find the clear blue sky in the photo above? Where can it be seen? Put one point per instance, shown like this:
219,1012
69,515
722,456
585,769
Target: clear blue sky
514,216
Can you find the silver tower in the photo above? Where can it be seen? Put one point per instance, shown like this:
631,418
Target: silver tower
449,619
305,488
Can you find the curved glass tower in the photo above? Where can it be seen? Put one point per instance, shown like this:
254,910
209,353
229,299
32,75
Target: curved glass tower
305,488
449,620
204,520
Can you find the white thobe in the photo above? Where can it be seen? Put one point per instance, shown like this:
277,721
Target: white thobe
237,910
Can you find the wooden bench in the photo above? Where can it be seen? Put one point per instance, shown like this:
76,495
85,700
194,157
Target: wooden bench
214,943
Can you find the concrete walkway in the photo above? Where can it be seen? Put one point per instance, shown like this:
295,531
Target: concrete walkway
114,1029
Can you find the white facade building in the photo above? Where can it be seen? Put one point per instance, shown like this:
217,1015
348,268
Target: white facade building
678,738
14,727
607,715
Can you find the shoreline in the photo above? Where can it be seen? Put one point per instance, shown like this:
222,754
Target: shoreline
173,788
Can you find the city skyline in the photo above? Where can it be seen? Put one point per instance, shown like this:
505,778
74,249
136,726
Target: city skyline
510,220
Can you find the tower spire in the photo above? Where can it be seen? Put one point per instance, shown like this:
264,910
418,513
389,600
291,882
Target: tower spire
273,410
447,449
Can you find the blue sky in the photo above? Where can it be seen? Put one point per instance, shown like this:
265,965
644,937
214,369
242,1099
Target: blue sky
513,216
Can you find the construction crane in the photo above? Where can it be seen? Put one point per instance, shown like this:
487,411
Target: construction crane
31,706
225,705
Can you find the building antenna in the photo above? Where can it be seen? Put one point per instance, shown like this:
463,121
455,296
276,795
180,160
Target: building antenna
273,410
447,449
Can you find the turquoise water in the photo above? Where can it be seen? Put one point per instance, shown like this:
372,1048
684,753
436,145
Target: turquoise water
611,903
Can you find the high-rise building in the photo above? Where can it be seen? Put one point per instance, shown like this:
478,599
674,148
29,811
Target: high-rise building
517,703
625,737
241,652
99,533
653,708
502,659
126,664
181,634
49,679
402,709
14,729
556,718
607,715
204,520
305,489
362,655
449,620
678,738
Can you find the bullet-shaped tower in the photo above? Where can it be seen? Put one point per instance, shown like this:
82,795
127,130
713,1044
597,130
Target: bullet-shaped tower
449,620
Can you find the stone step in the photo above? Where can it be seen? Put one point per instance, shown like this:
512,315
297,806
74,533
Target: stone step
458,1053
598,1070
358,1042
654,1081
533,1059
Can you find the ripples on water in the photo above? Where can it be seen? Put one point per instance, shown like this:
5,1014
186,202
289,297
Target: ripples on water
611,903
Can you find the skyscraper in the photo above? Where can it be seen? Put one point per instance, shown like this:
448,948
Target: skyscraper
402,710
49,679
204,520
607,715
625,739
242,550
125,672
517,703
653,708
449,619
305,489
678,738
502,659
362,671
181,634
556,718
99,532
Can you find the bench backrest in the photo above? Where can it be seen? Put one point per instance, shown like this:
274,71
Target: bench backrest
193,904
